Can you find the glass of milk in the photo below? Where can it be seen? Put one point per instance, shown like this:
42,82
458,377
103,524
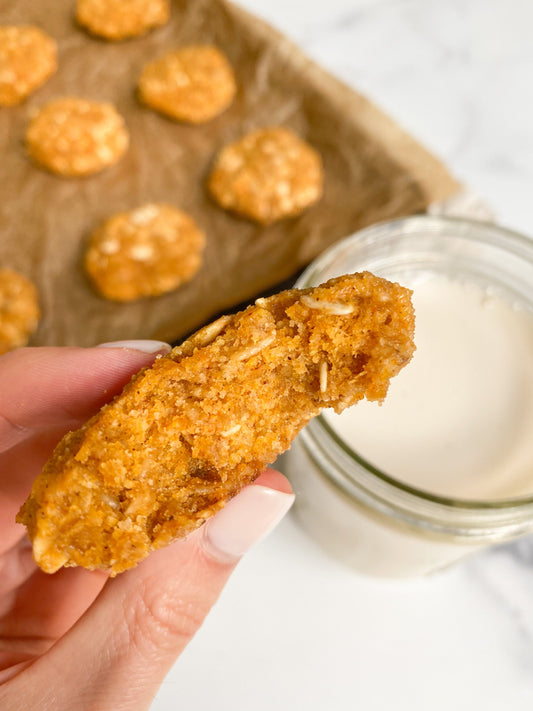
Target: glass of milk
444,466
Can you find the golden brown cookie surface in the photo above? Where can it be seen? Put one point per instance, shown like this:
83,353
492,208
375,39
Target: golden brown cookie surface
188,433
28,57
121,19
19,310
267,175
77,137
192,84
145,252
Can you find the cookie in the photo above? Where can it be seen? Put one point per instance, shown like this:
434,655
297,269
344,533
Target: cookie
145,252
193,84
77,137
188,433
121,19
28,57
19,310
267,175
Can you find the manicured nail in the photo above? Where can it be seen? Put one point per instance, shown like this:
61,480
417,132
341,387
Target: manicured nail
244,521
143,346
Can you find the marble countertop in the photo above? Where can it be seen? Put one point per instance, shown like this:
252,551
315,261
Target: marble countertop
294,629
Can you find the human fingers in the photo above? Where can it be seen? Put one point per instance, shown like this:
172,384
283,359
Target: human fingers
121,649
42,608
19,466
16,566
44,387
44,393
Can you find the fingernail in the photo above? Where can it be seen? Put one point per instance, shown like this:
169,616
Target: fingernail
244,521
145,346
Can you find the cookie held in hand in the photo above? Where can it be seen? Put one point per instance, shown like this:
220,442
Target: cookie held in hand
188,433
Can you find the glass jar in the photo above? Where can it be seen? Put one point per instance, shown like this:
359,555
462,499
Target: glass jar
363,516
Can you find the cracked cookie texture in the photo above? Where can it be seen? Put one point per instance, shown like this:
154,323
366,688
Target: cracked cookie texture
189,432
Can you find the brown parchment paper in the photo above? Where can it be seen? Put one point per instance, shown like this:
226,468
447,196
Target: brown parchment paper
374,171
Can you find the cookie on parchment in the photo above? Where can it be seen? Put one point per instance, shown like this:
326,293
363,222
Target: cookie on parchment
121,19
28,57
19,310
76,137
145,252
192,84
267,175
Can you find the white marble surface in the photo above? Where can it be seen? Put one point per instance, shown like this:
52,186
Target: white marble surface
294,629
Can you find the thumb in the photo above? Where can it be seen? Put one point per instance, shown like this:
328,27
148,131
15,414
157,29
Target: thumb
119,652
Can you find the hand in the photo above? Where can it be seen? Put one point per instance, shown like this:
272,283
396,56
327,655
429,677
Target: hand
76,639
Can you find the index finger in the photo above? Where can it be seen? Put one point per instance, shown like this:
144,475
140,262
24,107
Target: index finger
50,387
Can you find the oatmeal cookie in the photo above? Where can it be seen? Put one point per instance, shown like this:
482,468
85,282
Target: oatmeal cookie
28,57
267,175
145,252
121,19
188,433
77,137
19,310
192,84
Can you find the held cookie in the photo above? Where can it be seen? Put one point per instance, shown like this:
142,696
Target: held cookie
28,57
188,433
121,19
76,137
267,175
193,84
145,252
19,310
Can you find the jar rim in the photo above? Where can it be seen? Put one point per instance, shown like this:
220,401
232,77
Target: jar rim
506,511
474,230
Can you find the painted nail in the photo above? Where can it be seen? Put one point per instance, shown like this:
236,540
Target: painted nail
244,521
145,346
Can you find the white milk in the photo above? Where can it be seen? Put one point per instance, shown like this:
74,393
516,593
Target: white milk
458,420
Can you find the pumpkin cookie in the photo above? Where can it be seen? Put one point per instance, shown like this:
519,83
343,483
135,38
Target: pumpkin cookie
188,433
145,252
19,310
121,19
193,84
267,175
76,137
28,57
